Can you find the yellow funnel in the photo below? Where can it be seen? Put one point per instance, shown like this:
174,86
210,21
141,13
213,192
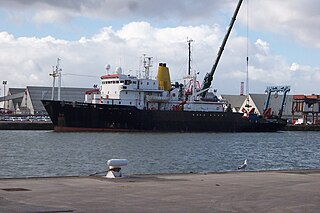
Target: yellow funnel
164,77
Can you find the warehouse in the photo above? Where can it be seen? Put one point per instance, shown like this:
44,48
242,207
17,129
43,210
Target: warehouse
27,101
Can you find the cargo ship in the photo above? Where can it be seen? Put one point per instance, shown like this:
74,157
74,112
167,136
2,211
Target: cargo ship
130,103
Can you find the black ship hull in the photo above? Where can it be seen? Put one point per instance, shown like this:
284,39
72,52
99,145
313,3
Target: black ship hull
79,116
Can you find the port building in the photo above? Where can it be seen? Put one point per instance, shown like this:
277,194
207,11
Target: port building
27,101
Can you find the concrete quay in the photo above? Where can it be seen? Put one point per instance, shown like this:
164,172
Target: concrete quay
25,125
270,191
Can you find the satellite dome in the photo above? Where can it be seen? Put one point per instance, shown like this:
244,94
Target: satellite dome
107,67
118,70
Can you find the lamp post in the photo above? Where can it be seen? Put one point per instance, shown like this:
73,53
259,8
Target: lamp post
4,96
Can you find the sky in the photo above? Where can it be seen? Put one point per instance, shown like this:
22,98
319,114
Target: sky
280,38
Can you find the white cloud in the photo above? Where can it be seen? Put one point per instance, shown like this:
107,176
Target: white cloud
262,45
304,68
28,60
294,67
289,18
51,16
307,75
115,9
295,18
5,37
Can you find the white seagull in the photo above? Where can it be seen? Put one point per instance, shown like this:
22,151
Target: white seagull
244,165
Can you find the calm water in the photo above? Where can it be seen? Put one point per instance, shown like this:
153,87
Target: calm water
46,153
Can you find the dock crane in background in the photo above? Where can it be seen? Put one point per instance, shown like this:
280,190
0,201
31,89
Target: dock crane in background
275,89
209,76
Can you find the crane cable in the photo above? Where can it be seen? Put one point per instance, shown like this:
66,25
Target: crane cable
247,58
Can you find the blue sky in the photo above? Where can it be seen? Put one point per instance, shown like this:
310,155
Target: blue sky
283,40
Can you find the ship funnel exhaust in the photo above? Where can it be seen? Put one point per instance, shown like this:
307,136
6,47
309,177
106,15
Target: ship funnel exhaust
164,77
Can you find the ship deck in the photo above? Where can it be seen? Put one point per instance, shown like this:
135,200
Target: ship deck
272,191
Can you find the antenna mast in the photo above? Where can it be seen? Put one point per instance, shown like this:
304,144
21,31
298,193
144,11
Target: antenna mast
56,72
147,63
54,75
189,56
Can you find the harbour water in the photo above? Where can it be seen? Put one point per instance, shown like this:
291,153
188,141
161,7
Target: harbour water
47,153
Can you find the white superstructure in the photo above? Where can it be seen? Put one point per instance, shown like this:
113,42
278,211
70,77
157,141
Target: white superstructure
123,89
150,94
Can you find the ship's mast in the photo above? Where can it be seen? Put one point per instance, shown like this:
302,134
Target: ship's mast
209,76
192,77
147,63
56,72
54,75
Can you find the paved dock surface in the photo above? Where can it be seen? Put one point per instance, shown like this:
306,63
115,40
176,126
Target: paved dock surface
274,191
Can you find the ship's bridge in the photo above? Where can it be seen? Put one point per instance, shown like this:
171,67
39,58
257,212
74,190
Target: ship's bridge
113,84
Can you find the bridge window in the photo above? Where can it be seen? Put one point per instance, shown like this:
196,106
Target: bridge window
127,82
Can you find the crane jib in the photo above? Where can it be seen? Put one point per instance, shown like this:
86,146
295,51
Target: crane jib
209,76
